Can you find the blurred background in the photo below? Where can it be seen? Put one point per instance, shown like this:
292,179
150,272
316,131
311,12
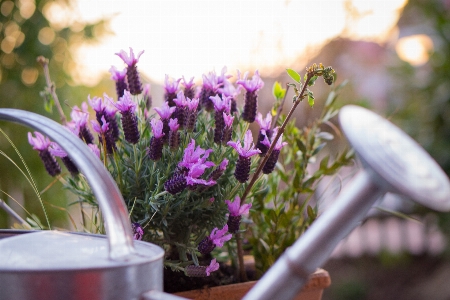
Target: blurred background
395,54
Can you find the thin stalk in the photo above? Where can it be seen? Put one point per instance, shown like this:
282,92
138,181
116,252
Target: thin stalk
51,87
240,255
280,109
272,146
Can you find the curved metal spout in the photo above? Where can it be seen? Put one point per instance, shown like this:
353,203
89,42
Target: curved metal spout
117,224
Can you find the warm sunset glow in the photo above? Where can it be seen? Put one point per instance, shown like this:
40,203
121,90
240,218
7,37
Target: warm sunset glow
193,37
414,49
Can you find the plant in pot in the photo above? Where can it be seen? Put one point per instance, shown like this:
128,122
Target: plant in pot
190,170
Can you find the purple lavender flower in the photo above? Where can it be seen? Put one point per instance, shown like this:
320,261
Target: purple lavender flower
219,170
147,96
189,88
165,112
57,151
251,98
201,271
79,123
176,184
229,90
138,231
242,171
174,135
191,115
216,239
273,158
228,129
171,88
156,143
110,116
221,105
181,108
105,136
127,108
119,78
42,144
134,82
194,155
197,170
209,88
222,78
264,132
236,211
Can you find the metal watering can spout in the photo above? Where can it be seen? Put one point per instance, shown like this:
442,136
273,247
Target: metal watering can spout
392,162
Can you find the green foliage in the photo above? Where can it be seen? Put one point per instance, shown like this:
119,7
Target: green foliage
284,211
175,222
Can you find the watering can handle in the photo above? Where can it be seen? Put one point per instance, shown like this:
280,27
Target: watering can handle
112,205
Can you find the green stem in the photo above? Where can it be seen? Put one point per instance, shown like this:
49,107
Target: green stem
242,272
272,146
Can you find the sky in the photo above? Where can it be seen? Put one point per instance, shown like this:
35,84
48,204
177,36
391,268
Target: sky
189,38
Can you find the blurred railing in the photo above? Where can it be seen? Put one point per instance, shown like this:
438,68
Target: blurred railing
418,235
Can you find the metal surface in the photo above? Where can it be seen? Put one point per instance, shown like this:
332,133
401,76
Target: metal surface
53,265
392,162
113,208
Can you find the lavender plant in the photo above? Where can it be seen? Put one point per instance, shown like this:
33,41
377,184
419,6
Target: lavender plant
184,171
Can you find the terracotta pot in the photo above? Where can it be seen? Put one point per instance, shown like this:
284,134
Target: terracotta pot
313,290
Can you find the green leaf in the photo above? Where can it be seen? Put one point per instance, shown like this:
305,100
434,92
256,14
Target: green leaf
294,75
317,150
278,91
310,99
312,80
311,213
300,145
324,163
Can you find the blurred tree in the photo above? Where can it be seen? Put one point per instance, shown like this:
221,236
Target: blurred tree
28,29
424,90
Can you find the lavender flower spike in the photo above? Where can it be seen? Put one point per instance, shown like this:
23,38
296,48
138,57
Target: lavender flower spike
273,158
228,129
138,231
165,112
201,271
251,98
236,211
174,135
156,143
189,87
79,122
134,82
213,266
57,151
42,144
171,88
242,171
105,135
264,132
221,105
127,108
216,239
119,78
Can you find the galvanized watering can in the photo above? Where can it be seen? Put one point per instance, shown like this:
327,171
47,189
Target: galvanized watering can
54,265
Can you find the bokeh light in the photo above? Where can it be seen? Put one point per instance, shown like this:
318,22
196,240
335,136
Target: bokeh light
414,49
